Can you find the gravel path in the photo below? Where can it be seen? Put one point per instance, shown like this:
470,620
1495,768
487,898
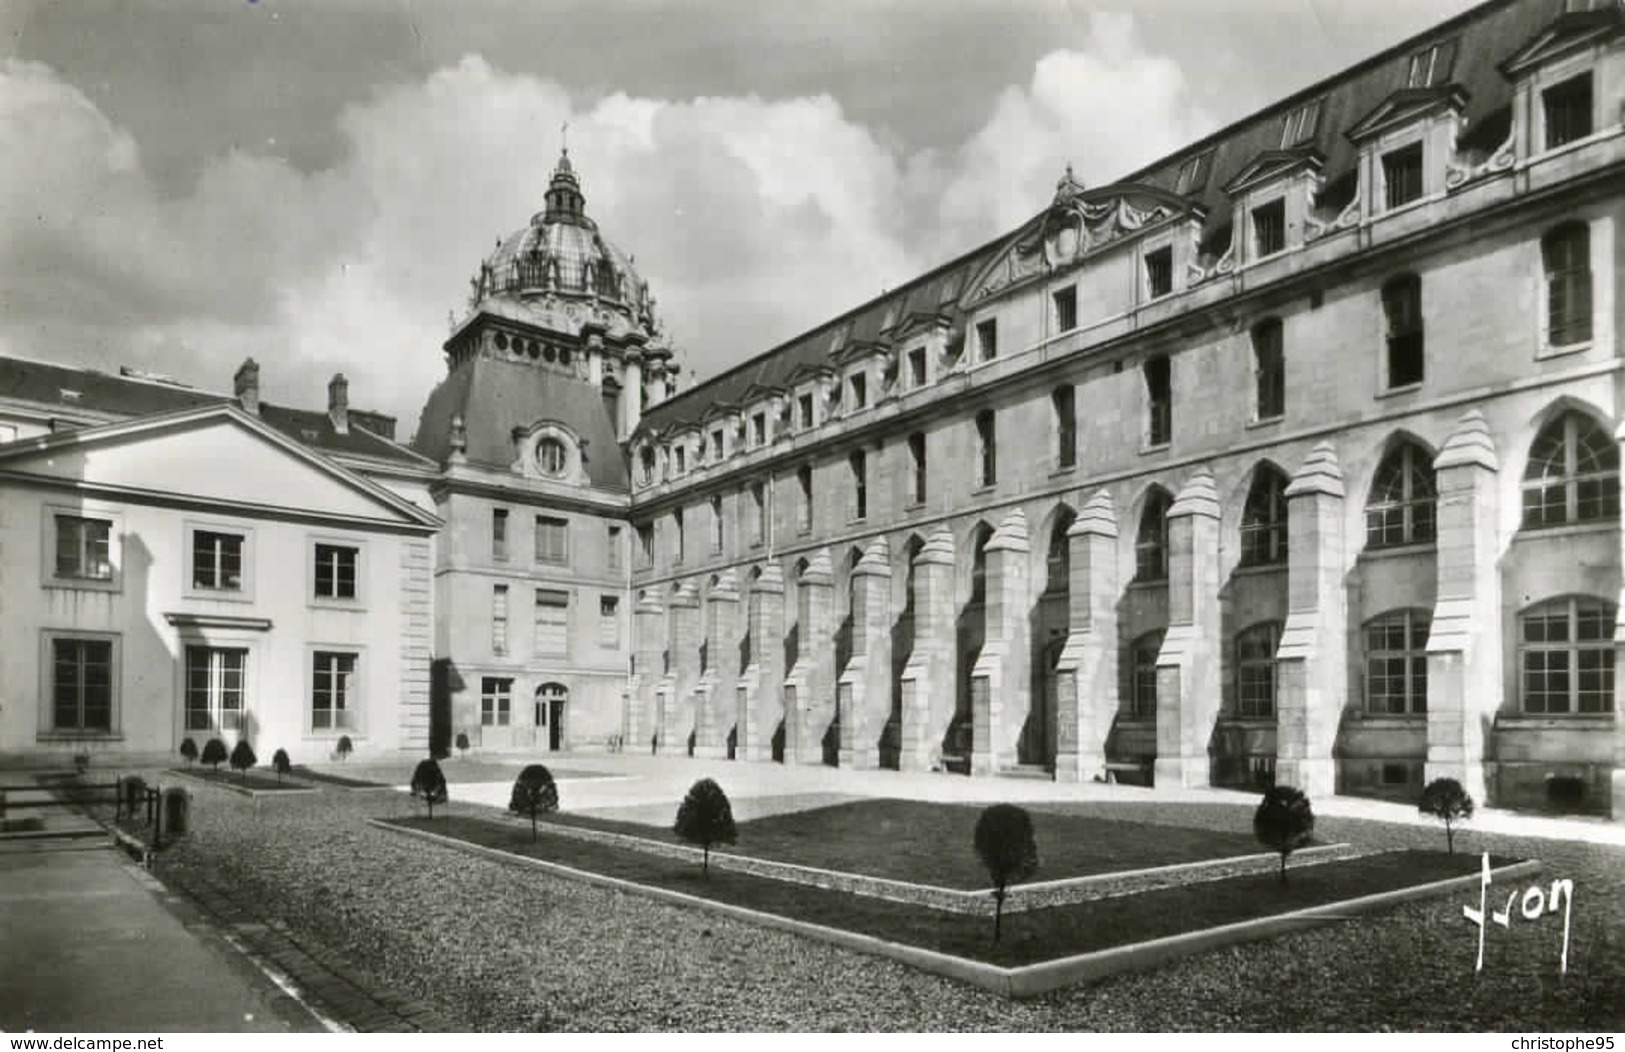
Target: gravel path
495,948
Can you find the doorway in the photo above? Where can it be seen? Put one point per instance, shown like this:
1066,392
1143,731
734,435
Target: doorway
550,703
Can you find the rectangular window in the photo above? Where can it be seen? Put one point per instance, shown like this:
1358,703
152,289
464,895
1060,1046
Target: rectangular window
1159,272
1566,257
677,530
860,390
987,449
680,463
1402,307
716,445
758,512
987,339
552,626
804,406
214,689
336,571
1159,401
1066,426
1568,111
1269,228
1402,175
804,508
1300,124
1194,173
916,367
496,701
609,621
499,533
859,463
916,461
82,685
758,430
716,524
1066,309
1431,66
332,691
499,619
83,548
1269,370
647,459
612,549
646,545
217,561
552,539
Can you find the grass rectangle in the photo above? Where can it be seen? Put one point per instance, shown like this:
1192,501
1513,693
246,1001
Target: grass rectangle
1029,937
926,843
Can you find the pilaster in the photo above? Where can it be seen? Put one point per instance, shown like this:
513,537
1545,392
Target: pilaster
676,691
863,693
759,694
714,696
1001,679
1188,688
928,677
1086,675
809,689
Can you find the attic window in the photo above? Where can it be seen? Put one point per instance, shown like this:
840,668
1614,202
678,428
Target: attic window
1301,123
1193,173
1431,65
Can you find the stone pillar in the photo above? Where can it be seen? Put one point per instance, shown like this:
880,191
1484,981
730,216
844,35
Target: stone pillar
714,697
595,359
648,663
1311,661
809,689
928,678
1086,675
677,687
1464,645
863,693
759,695
1188,689
1001,679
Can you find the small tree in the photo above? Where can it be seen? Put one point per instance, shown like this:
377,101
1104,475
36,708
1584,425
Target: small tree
214,753
189,751
1284,822
345,748
462,744
705,818
279,760
1444,798
534,793
242,757
1005,844
429,784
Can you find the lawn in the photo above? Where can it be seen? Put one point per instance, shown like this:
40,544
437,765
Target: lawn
1029,937
926,843
260,783
301,771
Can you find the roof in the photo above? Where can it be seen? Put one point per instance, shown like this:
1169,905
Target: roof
496,397
1482,37
78,392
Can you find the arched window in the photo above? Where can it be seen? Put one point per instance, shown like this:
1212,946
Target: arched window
1263,519
1058,563
1396,663
551,456
1255,669
1402,307
1151,542
1573,474
1566,256
1403,505
1566,657
1142,664
1269,370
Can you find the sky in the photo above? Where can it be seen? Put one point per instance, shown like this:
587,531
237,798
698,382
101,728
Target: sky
188,183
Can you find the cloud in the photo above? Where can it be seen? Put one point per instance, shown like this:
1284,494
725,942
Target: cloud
752,218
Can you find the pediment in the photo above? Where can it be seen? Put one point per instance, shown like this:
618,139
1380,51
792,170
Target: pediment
757,392
1077,224
1564,34
918,321
1407,105
1272,165
809,371
217,455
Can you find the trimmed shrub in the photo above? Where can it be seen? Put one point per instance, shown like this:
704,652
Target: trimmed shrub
705,817
1284,822
214,753
462,743
279,760
1005,844
1445,799
345,747
242,757
429,784
189,751
534,793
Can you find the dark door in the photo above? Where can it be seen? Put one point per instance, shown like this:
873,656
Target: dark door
555,724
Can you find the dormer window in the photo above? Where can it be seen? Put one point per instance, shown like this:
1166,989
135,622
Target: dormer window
716,444
1269,228
987,339
1568,111
551,456
916,367
860,390
804,405
758,429
648,459
1066,309
681,462
1431,65
1159,272
1402,175
1300,124
1194,173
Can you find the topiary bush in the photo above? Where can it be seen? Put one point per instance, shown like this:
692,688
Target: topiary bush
1284,822
1005,844
1445,799
345,747
534,793
242,757
705,817
462,743
279,760
189,751
214,753
429,784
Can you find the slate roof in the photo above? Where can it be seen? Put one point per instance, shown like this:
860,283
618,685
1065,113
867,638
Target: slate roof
1483,37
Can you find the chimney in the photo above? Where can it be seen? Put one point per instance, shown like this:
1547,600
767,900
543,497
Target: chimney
246,386
338,403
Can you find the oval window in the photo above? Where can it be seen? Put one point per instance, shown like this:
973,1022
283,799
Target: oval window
551,456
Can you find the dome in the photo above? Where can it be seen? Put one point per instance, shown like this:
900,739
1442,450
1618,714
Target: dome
561,256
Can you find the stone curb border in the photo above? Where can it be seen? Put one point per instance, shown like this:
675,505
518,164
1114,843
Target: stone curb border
243,790
1026,981
978,901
